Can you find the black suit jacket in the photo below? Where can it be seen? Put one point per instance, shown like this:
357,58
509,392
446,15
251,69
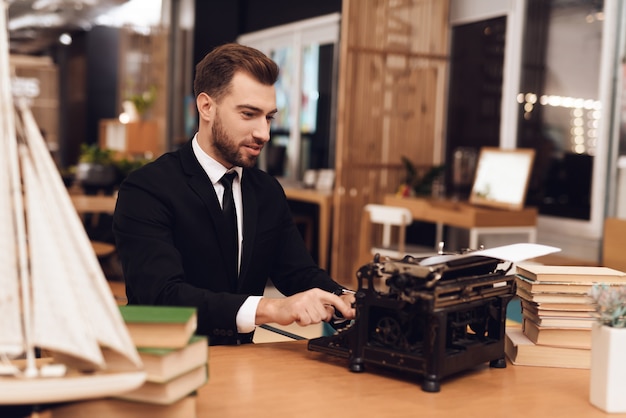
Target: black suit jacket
167,230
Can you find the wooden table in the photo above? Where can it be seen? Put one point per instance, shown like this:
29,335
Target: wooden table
324,200
477,219
287,380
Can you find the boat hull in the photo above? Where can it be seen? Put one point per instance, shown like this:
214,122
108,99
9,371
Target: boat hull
24,391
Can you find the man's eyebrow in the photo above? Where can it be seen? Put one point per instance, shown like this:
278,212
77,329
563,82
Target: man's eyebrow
255,109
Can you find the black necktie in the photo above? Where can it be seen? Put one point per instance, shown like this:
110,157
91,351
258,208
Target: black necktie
230,221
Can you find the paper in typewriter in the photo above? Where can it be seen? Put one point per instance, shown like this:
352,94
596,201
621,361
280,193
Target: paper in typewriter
513,253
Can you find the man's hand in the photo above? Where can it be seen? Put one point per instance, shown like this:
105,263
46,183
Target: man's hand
306,308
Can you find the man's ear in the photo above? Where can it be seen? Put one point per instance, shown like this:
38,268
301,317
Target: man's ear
205,106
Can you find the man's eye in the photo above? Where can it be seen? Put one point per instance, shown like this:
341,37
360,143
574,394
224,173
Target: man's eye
248,114
270,117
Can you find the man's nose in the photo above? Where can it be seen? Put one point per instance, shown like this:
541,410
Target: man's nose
262,130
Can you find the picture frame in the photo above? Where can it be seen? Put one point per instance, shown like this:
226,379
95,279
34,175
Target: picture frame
325,179
501,177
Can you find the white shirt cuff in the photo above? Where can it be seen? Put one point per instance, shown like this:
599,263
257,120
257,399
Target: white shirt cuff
246,315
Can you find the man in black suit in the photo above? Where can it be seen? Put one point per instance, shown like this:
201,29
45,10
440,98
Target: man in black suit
172,236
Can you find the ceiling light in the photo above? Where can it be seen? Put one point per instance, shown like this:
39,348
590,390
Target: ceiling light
46,4
65,38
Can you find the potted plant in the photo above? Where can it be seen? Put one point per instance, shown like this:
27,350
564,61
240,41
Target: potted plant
96,167
420,182
608,345
126,164
138,105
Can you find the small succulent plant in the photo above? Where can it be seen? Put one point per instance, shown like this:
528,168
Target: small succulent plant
610,304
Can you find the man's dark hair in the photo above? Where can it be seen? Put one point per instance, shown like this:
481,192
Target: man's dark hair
216,70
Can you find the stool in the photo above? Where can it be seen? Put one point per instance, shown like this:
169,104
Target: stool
102,249
107,257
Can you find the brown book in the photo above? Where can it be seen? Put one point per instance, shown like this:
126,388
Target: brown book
560,321
565,298
570,274
523,352
171,391
532,286
565,309
117,408
557,337
542,309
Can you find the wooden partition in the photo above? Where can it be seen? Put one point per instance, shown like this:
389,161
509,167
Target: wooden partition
391,101
138,138
614,244
145,65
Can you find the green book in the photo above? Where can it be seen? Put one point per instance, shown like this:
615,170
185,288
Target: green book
165,364
160,326
151,313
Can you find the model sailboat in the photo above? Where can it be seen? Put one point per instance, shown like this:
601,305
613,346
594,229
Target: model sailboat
53,293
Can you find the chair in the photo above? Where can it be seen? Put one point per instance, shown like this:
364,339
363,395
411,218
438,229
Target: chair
391,218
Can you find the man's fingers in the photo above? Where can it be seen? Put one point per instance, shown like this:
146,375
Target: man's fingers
316,314
342,306
310,307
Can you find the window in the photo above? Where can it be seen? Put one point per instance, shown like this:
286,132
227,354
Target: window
560,75
302,135
559,104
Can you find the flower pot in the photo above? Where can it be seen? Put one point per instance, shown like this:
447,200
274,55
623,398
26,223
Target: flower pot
96,175
608,368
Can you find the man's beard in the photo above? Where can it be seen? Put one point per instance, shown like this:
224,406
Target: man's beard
228,148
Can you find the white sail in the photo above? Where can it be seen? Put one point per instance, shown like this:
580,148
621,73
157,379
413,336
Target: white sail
57,322
11,335
53,293
85,281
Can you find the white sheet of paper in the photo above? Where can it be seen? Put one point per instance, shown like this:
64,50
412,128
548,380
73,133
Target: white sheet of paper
518,252
513,253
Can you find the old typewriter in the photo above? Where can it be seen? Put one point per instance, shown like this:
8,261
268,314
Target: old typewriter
435,316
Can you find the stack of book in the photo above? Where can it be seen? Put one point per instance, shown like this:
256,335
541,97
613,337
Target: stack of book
556,314
175,361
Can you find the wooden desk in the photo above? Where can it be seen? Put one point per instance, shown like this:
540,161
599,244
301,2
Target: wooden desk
324,200
287,380
478,220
